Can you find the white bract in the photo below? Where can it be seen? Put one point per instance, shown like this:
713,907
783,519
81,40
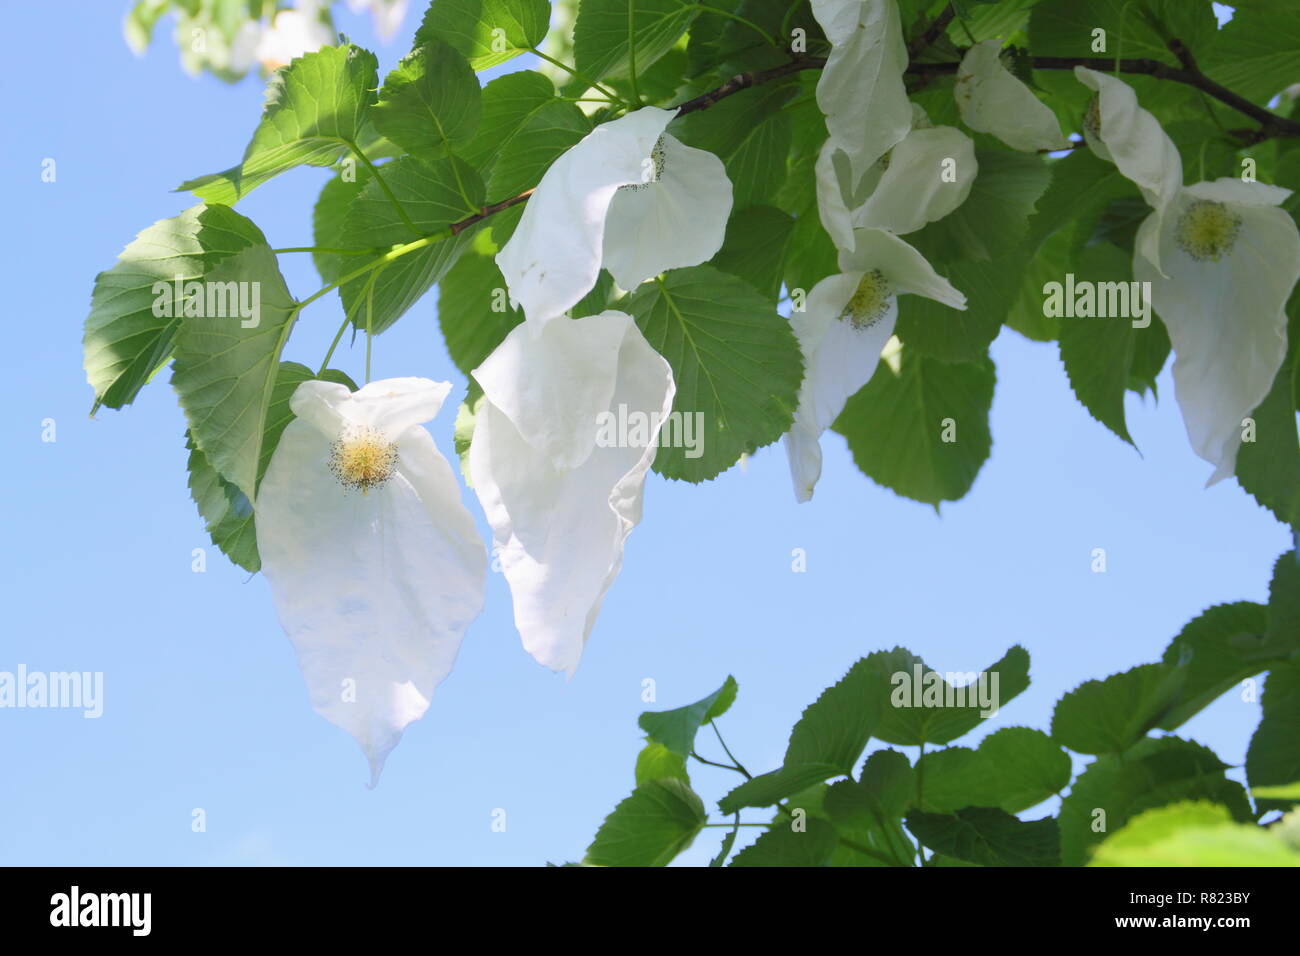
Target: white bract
992,100
1120,131
927,175
374,562
560,505
861,88
845,323
627,196
294,33
1230,260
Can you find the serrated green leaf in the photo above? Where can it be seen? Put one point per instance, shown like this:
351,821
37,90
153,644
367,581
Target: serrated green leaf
746,131
225,373
934,710
1218,649
771,788
473,307
896,426
315,110
1258,53
539,141
755,247
657,762
125,342
784,846
430,191
735,361
328,218
649,828
1108,716
1274,755
1269,467
989,837
676,729
430,104
486,32
1013,769
1155,773
226,511
605,31
507,103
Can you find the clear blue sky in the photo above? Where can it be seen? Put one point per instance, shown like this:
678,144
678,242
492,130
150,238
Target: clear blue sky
204,705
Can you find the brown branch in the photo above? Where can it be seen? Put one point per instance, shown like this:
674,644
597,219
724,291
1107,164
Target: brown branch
1271,125
932,33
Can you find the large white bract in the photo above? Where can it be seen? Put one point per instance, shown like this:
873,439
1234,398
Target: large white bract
923,178
1120,131
992,100
627,196
561,506
861,88
846,321
1230,258
374,562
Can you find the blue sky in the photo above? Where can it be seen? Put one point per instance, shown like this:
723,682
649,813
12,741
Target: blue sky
204,706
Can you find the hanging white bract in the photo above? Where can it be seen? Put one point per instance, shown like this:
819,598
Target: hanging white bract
374,561
627,196
561,503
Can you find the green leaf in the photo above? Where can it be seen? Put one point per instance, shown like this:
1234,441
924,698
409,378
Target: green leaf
1155,773
431,103
869,809
1014,768
473,307
953,335
605,28
751,134
771,788
539,141
1217,650
507,103
1269,467
734,358
1283,636
1274,755
226,511
1258,53
896,426
430,191
315,109
1100,352
1081,188
934,710
328,218
125,341
649,828
676,729
657,762
989,837
1108,716
784,846
1193,834
994,219
225,373
755,247
471,27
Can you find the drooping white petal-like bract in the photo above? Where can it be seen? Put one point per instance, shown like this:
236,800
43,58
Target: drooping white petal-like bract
628,196
374,562
846,321
992,100
1231,259
562,503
